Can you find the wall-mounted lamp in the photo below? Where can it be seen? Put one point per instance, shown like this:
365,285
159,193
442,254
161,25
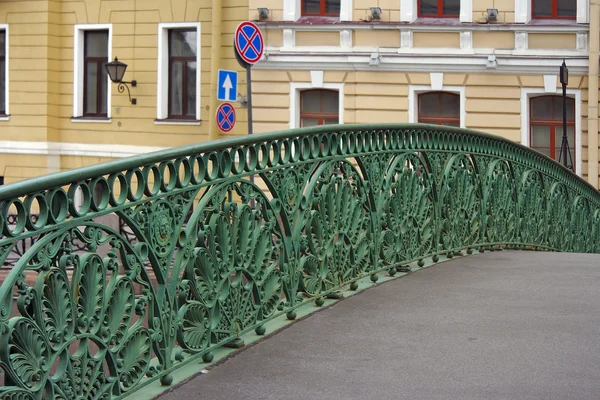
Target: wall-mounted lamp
492,14
263,13
376,12
492,63
116,71
375,59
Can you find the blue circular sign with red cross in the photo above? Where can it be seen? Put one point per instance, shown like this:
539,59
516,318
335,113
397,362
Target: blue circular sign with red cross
226,117
249,43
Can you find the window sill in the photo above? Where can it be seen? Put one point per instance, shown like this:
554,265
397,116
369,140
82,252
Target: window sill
4,117
92,120
178,122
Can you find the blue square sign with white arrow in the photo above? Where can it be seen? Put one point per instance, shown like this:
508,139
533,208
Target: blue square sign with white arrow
227,90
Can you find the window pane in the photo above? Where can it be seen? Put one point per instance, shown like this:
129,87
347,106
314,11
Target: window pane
543,8
2,43
311,101
331,122
332,6
557,156
191,89
2,87
541,107
330,102
451,7
176,89
309,122
456,124
90,89
312,7
103,85
183,43
449,105
428,105
540,136
567,8
96,44
558,109
428,7
570,136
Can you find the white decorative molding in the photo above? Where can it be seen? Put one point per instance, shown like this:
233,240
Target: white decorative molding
408,10
437,80
583,11
289,38
413,101
74,149
466,11
345,10
406,39
550,83
291,10
582,41
78,44
528,93
522,11
316,79
466,40
521,41
346,38
162,82
297,87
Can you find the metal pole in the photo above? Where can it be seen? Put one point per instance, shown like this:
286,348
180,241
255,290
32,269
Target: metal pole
249,95
564,139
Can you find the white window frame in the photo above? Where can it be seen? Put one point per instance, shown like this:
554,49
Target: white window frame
528,93
78,53
413,101
295,106
4,27
523,11
292,11
410,13
162,82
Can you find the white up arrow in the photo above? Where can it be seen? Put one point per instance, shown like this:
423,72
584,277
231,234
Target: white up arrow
227,86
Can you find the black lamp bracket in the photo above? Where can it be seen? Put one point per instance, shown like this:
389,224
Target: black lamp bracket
123,85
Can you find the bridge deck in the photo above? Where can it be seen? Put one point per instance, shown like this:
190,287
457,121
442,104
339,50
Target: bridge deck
502,325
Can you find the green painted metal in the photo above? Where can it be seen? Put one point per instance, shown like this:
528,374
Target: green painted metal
90,313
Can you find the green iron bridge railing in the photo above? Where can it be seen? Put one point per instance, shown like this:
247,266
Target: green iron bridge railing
216,239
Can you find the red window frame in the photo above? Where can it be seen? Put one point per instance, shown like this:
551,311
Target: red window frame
440,11
101,89
320,116
321,12
3,76
555,121
183,60
439,119
554,11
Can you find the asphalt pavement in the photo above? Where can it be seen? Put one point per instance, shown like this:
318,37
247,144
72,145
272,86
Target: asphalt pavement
501,325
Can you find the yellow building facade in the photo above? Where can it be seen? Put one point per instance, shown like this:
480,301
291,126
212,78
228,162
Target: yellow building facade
489,65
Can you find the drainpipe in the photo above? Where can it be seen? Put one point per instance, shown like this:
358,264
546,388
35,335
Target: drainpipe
593,93
215,62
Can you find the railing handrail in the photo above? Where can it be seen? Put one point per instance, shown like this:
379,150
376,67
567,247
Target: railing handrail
62,178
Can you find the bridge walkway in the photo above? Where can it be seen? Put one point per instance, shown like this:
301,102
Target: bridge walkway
501,325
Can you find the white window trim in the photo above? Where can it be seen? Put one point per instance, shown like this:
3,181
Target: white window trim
523,12
528,93
297,87
4,27
409,12
413,101
162,82
78,44
292,11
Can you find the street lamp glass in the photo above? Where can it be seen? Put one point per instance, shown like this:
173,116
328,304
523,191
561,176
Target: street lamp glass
116,70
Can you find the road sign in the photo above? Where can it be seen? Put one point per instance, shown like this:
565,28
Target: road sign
249,43
226,117
227,90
